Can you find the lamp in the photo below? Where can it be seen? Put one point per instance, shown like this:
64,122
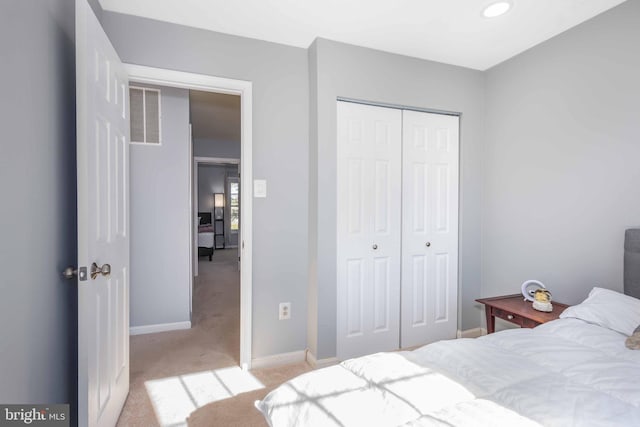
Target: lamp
218,205
218,200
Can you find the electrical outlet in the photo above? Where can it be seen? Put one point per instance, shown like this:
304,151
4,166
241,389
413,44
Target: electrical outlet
284,313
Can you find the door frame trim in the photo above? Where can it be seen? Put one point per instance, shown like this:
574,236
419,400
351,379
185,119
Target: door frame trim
207,83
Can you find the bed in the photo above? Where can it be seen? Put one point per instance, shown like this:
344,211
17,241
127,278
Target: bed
574,371
206,236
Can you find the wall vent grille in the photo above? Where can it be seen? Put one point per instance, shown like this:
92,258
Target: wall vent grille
145,115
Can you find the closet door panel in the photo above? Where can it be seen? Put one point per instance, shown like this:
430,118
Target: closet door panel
381,289
355,296
429,228
354,224
356,220
440,297
382,197
418,276
368,229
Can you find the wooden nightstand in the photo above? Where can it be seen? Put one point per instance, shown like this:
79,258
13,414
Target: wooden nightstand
514,309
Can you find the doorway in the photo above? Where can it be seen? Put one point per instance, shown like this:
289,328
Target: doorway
216,207
215,294
243,89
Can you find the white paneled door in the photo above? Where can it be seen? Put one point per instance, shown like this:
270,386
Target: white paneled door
429,228
368,223
397,228
103,224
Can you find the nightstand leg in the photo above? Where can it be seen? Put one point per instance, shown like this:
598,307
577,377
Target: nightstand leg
491,320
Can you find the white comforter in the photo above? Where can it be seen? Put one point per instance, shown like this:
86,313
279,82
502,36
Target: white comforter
564,373
205,239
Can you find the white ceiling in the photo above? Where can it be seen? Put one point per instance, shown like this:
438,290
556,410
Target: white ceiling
449,31
215,116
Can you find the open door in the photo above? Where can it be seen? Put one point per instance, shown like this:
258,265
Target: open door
102,99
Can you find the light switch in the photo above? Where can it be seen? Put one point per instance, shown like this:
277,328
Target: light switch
259,188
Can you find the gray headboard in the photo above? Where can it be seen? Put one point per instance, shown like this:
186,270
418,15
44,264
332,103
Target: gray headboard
632,262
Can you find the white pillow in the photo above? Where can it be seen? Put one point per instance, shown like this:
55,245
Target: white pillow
609,309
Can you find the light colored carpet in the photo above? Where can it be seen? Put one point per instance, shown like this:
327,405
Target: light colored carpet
239,411
211,344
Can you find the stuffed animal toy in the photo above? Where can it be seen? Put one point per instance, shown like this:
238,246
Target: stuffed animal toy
542,300
633,342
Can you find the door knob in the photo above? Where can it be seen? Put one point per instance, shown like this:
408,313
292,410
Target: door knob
96,270
375,246
428,244
71,272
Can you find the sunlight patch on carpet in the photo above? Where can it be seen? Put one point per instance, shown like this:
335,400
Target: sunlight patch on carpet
175,398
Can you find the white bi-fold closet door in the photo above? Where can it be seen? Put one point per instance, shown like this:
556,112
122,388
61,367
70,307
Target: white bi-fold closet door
369,216
429,227
397,228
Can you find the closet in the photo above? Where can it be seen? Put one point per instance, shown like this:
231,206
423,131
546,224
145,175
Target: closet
397,228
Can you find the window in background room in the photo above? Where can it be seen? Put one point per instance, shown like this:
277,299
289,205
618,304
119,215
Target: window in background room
234,205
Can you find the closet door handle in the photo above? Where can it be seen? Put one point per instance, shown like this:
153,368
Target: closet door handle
428,244
375,246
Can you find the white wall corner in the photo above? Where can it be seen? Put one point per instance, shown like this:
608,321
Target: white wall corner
471,333
279,359
161,327
322,363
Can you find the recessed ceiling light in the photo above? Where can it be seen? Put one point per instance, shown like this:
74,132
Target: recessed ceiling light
496,9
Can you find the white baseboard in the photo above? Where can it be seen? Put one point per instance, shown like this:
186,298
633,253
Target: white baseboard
278,359
322,363
472,333
161,327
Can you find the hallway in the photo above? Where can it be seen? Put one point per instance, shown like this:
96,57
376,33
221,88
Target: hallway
212,343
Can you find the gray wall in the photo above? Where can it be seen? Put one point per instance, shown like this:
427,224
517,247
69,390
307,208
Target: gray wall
38,310
216,148
161,219
213,179
354,72
561,169
280,154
